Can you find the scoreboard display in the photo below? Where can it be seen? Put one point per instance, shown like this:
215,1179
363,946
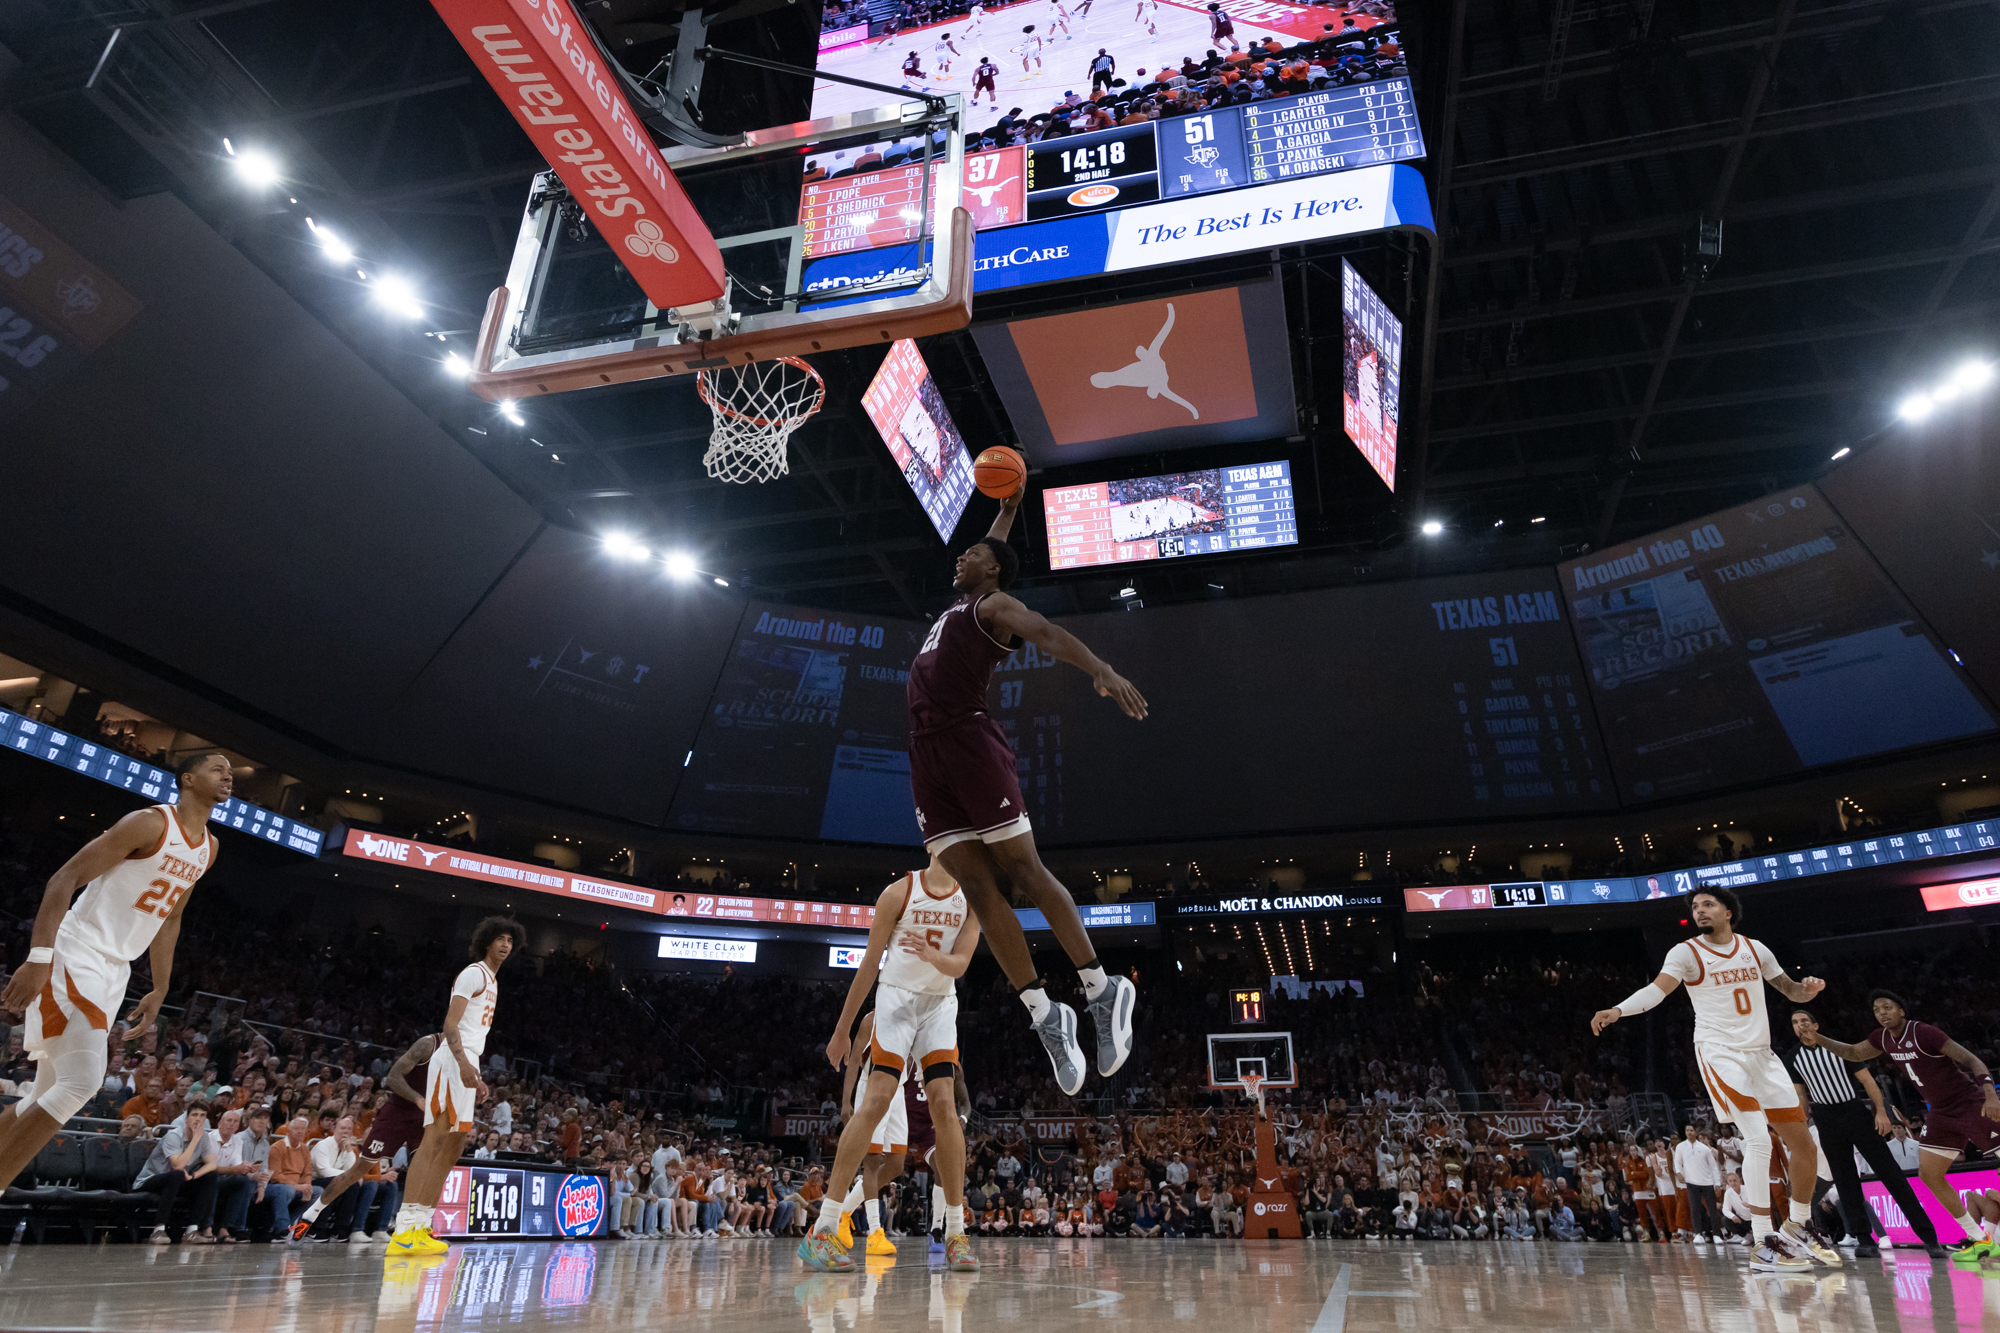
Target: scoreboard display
1246,1008
1162,518
504,1199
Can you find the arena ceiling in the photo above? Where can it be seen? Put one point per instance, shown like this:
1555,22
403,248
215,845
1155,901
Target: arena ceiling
1580,358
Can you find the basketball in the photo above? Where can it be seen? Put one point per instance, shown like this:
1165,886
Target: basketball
999,472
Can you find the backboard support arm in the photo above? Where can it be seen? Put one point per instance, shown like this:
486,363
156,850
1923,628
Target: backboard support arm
935,103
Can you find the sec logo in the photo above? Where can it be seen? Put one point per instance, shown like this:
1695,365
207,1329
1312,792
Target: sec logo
579,1205
1092,196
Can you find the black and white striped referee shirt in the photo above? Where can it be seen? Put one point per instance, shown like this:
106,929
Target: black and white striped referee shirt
1827,1077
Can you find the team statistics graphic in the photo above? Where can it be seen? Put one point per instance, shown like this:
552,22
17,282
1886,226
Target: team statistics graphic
904,404
1180,514
1371,373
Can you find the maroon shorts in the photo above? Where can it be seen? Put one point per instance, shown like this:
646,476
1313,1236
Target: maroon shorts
965,786
917,1111
1958,1128
399,1124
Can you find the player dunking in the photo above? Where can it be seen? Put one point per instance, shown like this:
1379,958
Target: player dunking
1030,49
1957,1087
969,806
984,75
399,1125
454,1088
1725,975
135,878
926,924
1221,27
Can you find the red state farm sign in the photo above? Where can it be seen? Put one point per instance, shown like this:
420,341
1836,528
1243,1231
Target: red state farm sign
539,57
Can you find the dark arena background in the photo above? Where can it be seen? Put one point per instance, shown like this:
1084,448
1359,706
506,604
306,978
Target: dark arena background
1538,462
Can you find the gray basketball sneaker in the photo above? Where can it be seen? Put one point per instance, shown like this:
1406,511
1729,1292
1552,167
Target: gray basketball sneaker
1057,1029
1111,1014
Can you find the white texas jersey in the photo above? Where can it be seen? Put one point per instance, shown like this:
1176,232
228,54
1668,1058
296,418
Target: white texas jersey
122,909
1727,988
481,990
938,917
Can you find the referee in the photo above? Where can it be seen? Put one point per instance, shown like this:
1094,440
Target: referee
1850,1116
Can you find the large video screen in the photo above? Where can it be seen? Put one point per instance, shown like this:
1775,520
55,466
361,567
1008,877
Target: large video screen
1161,518
1371,373
807,735
909,413
1439,699
1109,110
1755,642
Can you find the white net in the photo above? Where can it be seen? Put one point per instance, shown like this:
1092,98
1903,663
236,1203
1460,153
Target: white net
757,407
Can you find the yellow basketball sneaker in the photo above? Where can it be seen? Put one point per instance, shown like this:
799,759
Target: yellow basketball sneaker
878,1242
845,1231
417,1240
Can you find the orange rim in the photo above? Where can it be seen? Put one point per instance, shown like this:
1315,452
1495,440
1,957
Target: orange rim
707,394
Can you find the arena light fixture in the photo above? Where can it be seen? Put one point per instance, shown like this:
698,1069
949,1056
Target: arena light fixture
456,366
1843,452
624,546
1916,407
1972,374
722,583
1432,527
394,293
512,413
257,168
680,566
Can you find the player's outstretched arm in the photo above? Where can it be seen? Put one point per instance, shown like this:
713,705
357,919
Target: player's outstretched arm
1638,1002
1981,1075
135,832
1008,618
1860,1052
1003,522
888,907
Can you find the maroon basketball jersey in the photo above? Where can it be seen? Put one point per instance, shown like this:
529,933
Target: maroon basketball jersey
954,668
1919,1052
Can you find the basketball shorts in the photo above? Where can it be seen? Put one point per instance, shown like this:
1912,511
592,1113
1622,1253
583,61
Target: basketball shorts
447,1099
1741,1079
892,1131
917,1113
77,1005
1951,1131
398,1125
965,785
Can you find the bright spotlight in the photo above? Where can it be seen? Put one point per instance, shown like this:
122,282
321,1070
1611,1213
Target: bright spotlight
395,294
1916,407
722,583
456,366
339,251
509,411
257,168
1543,518
680,566
1972,375
1844,452
1432,527
621,545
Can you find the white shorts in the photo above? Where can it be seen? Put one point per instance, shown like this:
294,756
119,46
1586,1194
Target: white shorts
77,1006
892,1131
447,1100
1742,1079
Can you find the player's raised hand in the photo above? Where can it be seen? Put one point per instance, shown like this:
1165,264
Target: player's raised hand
836,1049
1812,986
24,986
1122,692
1810,1037
1603,1019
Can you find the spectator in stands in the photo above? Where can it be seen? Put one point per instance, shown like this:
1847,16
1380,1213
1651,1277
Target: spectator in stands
184,1159
132,1127
1735,1210
1403,1221
331,1155
150,1102
236,1169
290,1188
490,1149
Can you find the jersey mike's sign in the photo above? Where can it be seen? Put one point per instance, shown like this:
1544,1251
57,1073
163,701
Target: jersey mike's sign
540,58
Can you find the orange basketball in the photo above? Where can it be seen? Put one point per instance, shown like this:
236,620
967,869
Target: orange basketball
999,472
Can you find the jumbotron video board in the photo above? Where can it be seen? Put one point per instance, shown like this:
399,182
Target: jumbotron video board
1161,518
1112,128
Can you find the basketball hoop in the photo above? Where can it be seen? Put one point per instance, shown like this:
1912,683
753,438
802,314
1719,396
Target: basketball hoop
757,407
1253,1088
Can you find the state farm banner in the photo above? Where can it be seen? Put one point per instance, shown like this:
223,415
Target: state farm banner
539,56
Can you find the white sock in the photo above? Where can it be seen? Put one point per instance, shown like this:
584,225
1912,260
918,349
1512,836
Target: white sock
1037,1001
1760,1227
854,1197
829,1217
873,1210
1972,1227
1801,1212
954,1220
1093,980
937,1207
409,1217
312,1213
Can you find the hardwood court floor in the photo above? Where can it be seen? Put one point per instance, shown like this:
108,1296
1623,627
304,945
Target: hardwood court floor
758,1286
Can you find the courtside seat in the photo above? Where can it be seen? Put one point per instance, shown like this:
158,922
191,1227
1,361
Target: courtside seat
84,1182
